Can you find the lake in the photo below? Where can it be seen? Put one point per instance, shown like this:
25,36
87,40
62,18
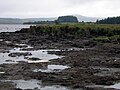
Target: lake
12,27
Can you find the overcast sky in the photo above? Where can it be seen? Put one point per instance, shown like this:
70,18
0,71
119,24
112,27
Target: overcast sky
52,8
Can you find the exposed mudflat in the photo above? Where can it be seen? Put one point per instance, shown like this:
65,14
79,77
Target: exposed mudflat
59,64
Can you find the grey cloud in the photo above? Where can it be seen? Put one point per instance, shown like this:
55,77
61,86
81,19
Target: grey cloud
42,8
80,2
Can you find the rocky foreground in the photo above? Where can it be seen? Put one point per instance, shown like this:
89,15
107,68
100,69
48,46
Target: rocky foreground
92,65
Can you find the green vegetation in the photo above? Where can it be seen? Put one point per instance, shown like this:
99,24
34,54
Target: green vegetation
98,32
109,20
115,38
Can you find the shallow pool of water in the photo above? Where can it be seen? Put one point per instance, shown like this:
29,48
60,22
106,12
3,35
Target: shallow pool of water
2,72
115,86
42,56
52,68
34,84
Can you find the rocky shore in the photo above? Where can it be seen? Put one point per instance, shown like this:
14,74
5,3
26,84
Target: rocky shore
91,65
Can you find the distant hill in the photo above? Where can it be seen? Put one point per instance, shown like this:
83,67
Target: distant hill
20,21
10,21
38,19
109,20
87,19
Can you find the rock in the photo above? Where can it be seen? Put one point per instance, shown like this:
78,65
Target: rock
9,61
4,51
18,89
19,54
32,59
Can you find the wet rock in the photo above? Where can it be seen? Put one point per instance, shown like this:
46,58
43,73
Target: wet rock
76,86
4,51
20,45
19,54
32,59
8,42
18,89
9,61
109,80
23,30
6,86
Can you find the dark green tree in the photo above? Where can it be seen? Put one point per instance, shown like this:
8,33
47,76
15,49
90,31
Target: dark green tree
67,19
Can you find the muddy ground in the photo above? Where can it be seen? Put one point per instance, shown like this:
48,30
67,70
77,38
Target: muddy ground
90,62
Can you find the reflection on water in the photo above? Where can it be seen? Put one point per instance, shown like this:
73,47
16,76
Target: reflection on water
42,55
2,72
34,84
116,86
52,68
29,84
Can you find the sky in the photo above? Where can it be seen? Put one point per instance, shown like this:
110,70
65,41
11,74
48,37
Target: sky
55,8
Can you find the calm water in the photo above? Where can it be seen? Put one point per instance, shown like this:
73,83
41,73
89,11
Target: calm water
35,84
52,68
12,27
41,54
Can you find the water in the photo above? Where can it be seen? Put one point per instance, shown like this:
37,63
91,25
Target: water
41,54
12,27
2,72
115,86
34,84
28,84
52,68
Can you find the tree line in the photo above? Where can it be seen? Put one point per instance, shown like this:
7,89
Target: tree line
109,20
